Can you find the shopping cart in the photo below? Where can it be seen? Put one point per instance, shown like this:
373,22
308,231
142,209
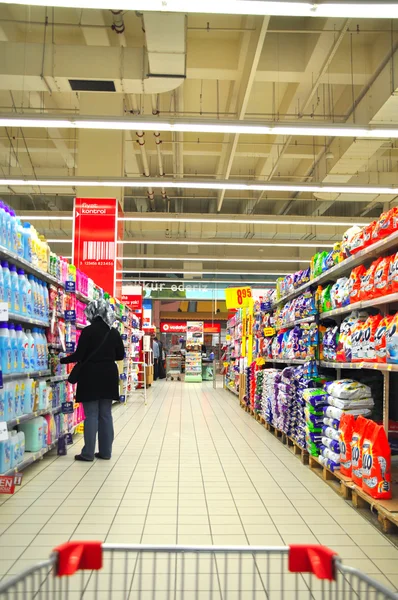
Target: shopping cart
174,367
136,572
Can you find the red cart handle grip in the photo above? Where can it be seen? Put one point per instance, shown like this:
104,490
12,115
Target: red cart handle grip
312,559
76,556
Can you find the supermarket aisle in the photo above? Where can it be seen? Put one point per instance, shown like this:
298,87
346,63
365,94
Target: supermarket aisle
191,468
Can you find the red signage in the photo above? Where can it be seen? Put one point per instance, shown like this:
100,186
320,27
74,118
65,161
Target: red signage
132,300
181,327
95,239
7,484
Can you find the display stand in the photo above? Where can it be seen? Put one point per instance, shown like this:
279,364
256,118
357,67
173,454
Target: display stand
193,367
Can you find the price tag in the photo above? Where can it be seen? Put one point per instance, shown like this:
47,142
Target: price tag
70,286
3,431
70,346
269,331
70,315
238,297
1,380
3,311
67,408
124,336
124,319
227,338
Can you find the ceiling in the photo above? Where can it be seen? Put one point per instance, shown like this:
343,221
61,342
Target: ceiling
273,69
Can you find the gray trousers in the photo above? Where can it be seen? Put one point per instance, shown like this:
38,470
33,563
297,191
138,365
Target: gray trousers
98,419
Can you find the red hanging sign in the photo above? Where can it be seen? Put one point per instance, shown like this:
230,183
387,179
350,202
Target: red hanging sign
134,301
95,239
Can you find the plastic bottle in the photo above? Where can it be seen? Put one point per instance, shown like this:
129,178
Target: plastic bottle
1,285
7,227
9,404
29,297
46,301
13,231
15,298
27,242
31,341
19,238
22,281
36,351
14,348
2,225
23,357
31,280
5,349
6,283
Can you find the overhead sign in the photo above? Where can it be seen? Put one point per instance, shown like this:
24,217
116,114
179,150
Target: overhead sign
194,332
134,301
181,327
239,297
95,239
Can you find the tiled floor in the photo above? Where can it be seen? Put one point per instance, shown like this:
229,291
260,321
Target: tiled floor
190,468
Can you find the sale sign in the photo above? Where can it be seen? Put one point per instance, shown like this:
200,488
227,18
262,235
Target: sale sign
7,484
134,301
95,239
239,297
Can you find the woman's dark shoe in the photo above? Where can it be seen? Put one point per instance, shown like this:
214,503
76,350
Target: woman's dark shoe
81,458
98,455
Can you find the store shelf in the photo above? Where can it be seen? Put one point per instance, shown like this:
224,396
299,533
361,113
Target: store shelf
82,298
27,320
80,326
26,266
32,375
33,415
310,319
289,361
374,303
374,251
31,458
232,391
361,365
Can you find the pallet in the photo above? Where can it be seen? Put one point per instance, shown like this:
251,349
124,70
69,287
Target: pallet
386,510
297,450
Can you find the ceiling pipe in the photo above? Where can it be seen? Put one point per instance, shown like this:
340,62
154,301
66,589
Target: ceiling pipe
158,142
118,26
144,157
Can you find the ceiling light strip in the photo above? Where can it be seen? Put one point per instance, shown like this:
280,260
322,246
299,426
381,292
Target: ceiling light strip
198,126
204,185
178,272
255,244
218,259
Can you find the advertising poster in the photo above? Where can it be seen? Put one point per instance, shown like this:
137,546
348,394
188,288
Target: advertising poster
194,332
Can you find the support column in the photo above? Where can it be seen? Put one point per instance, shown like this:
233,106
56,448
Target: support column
101,153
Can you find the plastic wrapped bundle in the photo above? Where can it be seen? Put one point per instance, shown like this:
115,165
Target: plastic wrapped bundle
247,387
271,378
259,391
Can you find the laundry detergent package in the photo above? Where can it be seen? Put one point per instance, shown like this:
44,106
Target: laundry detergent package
392,341
316,397
381,339
358,435
346,429
367,290
355,281
376,462
381,286
386,225
393,274
333,445
348,389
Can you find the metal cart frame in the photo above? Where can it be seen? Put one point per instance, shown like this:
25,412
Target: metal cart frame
174,367
185,572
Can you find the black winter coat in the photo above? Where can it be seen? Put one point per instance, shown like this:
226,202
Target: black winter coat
99,378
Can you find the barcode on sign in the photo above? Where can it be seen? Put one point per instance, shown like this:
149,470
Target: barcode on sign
98,250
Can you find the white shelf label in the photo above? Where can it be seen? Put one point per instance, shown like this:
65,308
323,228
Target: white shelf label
3,311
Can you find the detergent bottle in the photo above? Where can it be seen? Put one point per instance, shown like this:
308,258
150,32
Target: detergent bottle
22,283
14,348
15,298
6,283
5,349
22,349
31,340
1,285
27,242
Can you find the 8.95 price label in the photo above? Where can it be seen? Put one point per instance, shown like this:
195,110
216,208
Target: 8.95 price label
238,297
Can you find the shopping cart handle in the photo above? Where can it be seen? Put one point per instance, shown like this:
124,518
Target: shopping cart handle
318,560
75,556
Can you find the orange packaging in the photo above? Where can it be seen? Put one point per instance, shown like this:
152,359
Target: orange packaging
376,462
369,338
368,234
346,429
356,449
357,335
354,285
386,225
381,339
393,274
381,285
367,284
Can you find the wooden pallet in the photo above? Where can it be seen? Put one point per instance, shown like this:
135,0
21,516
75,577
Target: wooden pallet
297,450
386,510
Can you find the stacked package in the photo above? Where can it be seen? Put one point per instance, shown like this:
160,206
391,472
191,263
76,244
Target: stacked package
259,391
316,399
343,396
269,393
285,400
305,378
247,386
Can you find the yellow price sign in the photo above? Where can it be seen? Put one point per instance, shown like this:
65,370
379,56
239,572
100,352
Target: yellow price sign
269,331
239,297
227,338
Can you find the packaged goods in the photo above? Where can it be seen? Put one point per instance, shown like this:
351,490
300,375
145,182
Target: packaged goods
381,339
348,239
354,285
376,462
367,290
351,403
358,435
345,432
392,340
381,277
369,330
386,225
315,397
348,389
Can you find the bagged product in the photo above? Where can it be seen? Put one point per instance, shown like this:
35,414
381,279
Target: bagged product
348,389
386,225
316,397
381,277
358,435
376,462
348,238
393,274
354,286
357,242
330,433
381,339
392,341
368,237
333,456
351,403
346,429
326,302
367,291
357,342
369,338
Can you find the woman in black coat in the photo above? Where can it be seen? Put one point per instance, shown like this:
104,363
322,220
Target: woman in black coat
100,345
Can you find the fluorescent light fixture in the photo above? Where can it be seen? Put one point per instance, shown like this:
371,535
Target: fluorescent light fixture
255,244
189,281
44,217
247,186
233,7
217,259
155,270
60,241
134,123
313,223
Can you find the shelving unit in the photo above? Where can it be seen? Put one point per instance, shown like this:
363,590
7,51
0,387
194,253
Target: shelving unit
193,367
